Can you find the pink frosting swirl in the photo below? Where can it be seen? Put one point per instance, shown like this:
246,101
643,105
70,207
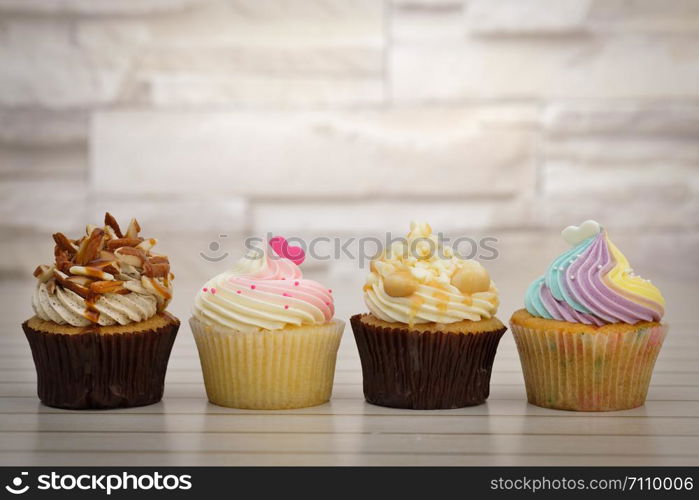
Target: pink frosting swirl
281,282
264,292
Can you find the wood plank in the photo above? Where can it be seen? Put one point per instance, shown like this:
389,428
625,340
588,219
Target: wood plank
419,444
72,458
76,422
682,409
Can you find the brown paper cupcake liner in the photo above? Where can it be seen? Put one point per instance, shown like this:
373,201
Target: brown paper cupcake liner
601,371
268,370
97,370
424,370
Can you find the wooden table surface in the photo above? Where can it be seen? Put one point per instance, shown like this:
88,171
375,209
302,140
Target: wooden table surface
185,429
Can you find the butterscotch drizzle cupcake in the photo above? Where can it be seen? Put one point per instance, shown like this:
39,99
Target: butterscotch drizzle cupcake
430,337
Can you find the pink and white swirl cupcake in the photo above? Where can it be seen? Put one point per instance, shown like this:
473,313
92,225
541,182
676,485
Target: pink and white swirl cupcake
266,336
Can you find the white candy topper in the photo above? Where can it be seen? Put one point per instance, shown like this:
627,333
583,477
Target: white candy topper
577,234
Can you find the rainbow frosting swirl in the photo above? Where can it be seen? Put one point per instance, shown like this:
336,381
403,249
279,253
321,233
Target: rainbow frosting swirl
593,283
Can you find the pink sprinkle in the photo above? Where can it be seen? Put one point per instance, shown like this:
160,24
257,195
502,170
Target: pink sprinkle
286,307
252,287
328,303
296,283
204,289
238,291
286,294
213,290
283,278
330,291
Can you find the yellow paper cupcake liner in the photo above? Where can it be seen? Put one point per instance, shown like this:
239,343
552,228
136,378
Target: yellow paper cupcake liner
601,371
268,370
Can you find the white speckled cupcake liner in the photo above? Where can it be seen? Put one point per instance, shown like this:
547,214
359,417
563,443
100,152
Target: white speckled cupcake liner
600,371
268,370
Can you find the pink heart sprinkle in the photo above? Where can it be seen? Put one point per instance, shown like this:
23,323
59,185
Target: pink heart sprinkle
282,248
252,287
296,283
204,289
286,307
286,294
238,291
330,291
213,290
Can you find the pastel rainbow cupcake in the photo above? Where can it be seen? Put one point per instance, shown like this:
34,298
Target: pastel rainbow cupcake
590,332
266,335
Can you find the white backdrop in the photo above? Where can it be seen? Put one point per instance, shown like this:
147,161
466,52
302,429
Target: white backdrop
510,118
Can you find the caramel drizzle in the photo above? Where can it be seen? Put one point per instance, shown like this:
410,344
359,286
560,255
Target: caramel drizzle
91,312
163,291
442,301
416,303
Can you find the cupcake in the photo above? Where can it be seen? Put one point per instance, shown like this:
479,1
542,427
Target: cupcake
430,337
266,336
590,331
100,336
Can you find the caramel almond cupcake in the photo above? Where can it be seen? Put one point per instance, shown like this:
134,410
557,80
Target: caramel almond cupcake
266,335
591,329
430,338
100,336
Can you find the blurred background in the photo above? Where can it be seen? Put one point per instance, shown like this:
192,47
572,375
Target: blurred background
506,118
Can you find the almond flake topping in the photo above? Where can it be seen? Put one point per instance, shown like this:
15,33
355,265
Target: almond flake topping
106,260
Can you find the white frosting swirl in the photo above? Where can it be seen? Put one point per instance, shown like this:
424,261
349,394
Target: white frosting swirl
430,275
67,307
260,292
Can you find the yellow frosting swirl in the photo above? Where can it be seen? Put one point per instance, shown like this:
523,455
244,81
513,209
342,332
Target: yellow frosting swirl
419,280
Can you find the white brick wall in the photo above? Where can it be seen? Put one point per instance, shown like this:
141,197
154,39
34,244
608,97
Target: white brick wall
626,66
538,17
94,7
203,117
680,118
296,155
